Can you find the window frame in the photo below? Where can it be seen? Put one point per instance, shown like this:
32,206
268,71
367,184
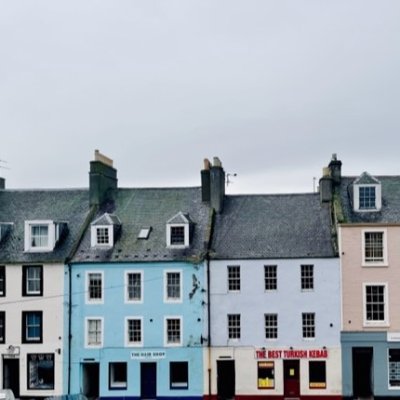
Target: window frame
179,387
129,343
376,323
234,327
180,245
25,338
233,278
374,263
3,281
308,330
94,242
168,343
273,329
2,327
31,358
96,345
28,235
316,385
25,281
378,197
117,385
270,278
269,383
167,298
89,299
127,286
307,277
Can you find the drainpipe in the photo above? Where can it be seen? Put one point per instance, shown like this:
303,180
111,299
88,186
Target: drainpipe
208,327
69,324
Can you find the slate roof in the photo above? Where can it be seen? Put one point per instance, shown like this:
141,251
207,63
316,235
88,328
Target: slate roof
390,211
18,206
147,207
272,226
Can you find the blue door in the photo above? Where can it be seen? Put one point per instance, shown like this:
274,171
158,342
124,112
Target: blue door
148,380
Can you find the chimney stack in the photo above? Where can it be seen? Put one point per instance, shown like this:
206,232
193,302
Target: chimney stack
217,185
205,181
326,186
335,167
102,178
2,183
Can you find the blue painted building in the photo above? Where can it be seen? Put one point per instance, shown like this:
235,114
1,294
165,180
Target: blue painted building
138,304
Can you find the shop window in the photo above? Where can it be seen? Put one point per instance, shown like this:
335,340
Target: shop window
317,373
178,375
117,372
41,371
394,368
265,375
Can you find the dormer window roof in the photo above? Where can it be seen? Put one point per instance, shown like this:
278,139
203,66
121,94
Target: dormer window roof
367,193
178,230
43,235
104,230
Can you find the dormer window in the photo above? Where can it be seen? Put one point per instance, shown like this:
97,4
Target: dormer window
4,229
178,229
367,193
104,230
42,236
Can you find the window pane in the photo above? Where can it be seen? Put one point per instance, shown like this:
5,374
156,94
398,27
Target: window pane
177,235
33,277
39,236
2,326
117,375
2,280
134,331
134,288
95,286
394,368
270,277
234,278
317,372
179,376
367,198
94,332
102,236
173,331
271,326
234,326
173,285
307,277
308,325
41,371
375,302
373,246
266,375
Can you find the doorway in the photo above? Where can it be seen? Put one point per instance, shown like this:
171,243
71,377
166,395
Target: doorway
291,378
225,379
362,371
11,375
148,380
91,380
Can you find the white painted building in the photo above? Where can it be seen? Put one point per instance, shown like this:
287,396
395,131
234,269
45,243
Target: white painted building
274,300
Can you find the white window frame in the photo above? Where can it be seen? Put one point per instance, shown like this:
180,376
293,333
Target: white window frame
234,339
51,233
127,299
378,197
385,322
186,236
87,344
314,326
271,326
383,263
88,299
127,342
166,298
170,317
93,236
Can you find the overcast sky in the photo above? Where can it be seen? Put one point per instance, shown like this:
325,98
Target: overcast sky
271,87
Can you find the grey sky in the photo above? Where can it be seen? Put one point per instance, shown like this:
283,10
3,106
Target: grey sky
271,87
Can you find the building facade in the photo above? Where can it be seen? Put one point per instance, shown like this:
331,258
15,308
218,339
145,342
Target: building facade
275,300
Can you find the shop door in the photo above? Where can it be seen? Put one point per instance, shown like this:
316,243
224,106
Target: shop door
11,375
291,378
362,371
90,380
226,379
148,380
